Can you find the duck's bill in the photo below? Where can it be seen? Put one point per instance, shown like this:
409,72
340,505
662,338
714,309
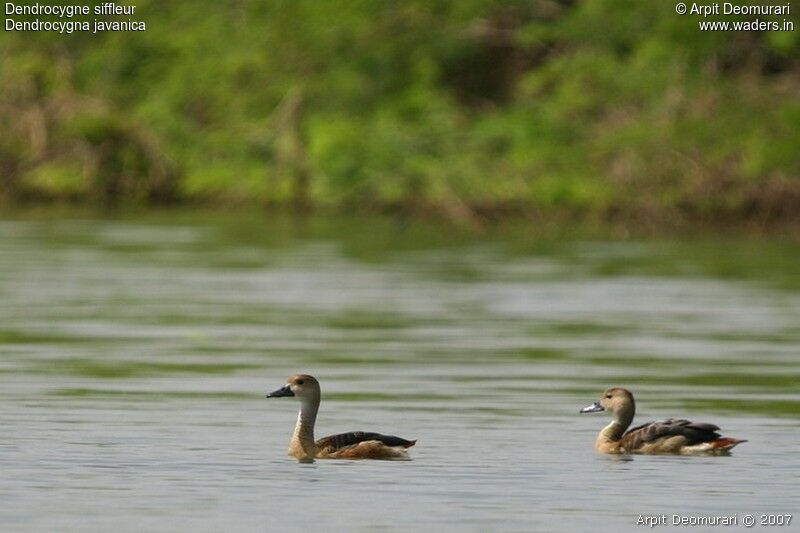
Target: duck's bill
592,408
283,391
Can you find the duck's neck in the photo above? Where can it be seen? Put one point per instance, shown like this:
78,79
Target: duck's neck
614,431
302,444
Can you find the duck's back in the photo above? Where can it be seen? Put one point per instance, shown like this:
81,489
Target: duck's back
363,445
675,436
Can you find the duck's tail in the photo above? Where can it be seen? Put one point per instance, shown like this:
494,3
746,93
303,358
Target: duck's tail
725,443
720,446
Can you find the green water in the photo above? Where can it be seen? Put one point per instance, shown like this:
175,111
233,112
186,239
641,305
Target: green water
135,354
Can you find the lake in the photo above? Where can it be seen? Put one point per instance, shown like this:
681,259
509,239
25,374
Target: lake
135,354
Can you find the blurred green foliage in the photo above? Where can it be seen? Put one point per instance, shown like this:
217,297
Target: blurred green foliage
469,107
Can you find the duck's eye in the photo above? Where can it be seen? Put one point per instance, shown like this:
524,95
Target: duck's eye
299,382
608,396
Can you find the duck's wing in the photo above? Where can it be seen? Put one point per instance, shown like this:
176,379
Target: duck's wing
344,440
693,432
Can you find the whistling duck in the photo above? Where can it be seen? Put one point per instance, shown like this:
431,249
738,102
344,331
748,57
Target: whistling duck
352,445
671,436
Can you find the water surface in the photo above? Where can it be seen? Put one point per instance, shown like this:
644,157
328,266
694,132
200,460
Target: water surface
135,354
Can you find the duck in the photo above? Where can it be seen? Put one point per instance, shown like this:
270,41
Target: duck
671,436
351,445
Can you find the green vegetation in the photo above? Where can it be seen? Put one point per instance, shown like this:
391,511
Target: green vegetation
608,108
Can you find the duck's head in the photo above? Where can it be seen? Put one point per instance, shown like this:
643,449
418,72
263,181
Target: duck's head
615,400
303,386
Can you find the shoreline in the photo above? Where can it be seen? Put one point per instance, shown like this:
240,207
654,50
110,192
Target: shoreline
609,223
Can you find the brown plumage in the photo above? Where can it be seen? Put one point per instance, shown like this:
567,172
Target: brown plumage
343,440
352,445
671,436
